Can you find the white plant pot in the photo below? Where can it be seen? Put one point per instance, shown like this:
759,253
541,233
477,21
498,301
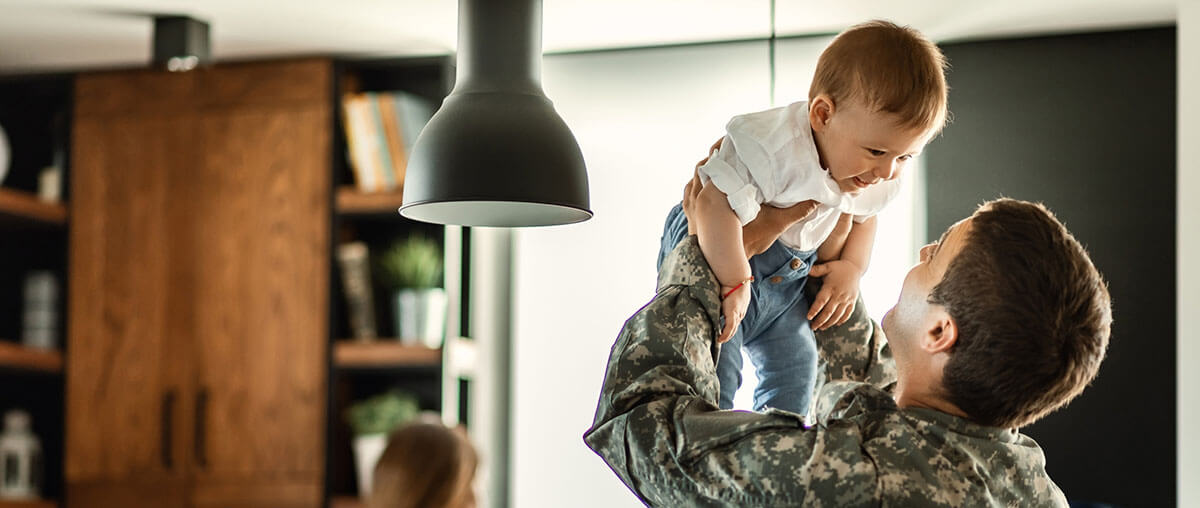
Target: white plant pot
421,315
367,450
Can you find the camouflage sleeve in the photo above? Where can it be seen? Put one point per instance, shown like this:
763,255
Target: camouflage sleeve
856,350
658,428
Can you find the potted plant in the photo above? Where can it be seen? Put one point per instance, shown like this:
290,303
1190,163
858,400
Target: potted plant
412,270
372,420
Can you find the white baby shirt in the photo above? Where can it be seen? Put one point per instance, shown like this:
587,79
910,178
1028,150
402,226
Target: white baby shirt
770,157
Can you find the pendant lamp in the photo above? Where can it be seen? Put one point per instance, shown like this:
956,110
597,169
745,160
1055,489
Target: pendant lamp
496,153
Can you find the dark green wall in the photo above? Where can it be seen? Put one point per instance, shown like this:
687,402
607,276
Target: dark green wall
1085,124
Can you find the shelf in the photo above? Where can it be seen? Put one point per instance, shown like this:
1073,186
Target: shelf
340,502
25,206
350,201
42,503
18,356
384,353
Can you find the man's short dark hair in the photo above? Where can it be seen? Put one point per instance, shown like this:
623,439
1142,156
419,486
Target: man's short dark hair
1032,312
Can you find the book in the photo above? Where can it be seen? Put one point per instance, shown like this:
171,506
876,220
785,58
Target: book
413,112
356,283
385,153
393,138
381,130
361,143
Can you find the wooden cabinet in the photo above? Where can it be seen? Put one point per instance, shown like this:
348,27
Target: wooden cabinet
200,280
122,388
262,260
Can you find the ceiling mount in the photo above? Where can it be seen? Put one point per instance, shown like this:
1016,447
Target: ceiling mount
180,43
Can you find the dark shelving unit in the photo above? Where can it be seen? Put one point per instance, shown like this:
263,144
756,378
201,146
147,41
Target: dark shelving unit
359,370
35,112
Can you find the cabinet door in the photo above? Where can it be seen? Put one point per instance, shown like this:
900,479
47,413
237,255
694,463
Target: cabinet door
262,206
122,382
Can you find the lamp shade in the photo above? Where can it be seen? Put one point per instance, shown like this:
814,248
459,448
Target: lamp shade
496,153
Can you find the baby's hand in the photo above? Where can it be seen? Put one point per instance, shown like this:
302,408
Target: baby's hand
733,307
835,300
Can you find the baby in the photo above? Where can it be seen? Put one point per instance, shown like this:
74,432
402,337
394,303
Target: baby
878,96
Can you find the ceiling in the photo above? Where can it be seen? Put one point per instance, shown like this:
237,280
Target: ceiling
48,35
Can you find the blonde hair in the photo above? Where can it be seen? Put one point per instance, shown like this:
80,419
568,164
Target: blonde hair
889,68
425,465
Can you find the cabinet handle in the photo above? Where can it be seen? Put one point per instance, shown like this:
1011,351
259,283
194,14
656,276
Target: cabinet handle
168,413
201,418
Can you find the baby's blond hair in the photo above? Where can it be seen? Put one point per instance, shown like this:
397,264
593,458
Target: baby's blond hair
889,68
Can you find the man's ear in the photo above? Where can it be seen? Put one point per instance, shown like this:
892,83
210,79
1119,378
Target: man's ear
820,111
942,333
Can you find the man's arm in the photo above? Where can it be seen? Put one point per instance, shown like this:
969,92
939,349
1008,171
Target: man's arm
657,425
759,234
856,350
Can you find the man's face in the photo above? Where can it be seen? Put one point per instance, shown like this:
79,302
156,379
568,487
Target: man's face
864,147
911,317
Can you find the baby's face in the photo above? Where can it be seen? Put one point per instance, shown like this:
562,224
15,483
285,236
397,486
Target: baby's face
861,148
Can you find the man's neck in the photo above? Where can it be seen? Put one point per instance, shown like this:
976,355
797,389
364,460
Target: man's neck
909,394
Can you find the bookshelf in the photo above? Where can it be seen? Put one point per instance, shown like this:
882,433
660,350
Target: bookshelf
36,113
384,353
20,357
18,205
362,369
351,201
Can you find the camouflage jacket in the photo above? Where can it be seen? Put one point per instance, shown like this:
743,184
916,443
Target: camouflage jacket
658,427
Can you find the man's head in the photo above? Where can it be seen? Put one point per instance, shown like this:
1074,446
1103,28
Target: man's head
878,95
1005,318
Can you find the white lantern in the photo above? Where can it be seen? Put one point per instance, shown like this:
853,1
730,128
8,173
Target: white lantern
20,458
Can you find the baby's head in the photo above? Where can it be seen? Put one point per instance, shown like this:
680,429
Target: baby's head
879,94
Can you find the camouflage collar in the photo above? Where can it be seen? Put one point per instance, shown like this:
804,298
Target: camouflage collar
960,425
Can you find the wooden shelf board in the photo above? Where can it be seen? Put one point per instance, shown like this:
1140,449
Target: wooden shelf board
16,355
39,503
384,353
344,502
350,201
24,205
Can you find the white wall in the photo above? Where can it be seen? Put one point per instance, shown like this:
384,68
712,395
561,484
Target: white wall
643,118
1188,303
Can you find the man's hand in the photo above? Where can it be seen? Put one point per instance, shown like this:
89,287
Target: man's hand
760,233
835,300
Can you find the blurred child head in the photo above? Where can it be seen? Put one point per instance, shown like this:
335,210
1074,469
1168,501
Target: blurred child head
425,465
878,96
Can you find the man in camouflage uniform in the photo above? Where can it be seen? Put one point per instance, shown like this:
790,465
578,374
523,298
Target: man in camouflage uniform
1004,320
